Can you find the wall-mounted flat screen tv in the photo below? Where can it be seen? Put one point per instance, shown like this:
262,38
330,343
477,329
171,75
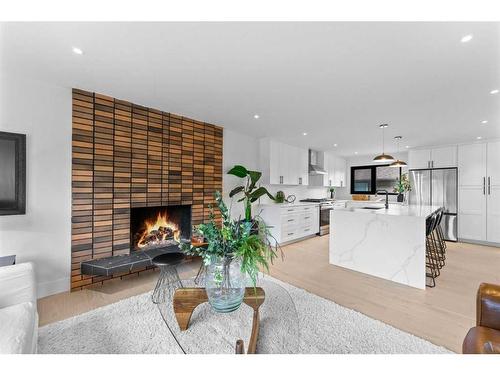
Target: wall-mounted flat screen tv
12,173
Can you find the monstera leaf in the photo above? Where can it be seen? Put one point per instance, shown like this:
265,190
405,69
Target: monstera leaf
250,193
238,171
256,194
236,190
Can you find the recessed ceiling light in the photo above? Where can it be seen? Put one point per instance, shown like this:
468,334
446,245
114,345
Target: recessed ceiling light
494,91
466,38
77,50
355,152
256,117
304,133
484,122
334,145
407,146
479,137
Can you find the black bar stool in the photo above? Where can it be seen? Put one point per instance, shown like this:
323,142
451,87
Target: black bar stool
431,262
169,280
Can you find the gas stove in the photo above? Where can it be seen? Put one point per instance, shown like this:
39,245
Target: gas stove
317,200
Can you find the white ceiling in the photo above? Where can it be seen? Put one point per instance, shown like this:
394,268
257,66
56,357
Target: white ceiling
335,81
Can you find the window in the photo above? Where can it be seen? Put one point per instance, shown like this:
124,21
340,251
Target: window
370,178
386,177
362,179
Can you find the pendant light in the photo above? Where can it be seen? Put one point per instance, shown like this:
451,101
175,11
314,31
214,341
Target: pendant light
382,158
398,163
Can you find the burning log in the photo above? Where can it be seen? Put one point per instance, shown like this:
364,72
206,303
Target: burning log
159,233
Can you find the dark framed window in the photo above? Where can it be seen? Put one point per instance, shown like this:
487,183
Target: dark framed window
368,179
12,173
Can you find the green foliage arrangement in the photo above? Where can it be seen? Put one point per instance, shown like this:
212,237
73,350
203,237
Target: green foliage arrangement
250,190
403,184
248,240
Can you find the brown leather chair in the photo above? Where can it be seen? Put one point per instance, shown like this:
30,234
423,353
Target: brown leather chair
484,338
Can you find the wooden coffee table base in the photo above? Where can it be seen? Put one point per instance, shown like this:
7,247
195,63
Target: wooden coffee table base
187,299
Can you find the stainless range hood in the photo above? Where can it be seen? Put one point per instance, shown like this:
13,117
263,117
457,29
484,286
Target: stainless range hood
316,161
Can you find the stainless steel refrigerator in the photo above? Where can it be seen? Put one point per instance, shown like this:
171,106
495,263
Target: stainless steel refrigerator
437,187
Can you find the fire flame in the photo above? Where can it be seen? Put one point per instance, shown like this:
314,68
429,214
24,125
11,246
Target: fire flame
158,226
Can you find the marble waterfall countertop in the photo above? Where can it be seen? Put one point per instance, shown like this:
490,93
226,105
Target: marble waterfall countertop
394,209
386,243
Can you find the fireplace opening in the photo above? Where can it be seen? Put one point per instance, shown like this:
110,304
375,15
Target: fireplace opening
159,227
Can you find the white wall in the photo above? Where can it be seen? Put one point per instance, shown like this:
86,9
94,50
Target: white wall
243,149
360,161
43,234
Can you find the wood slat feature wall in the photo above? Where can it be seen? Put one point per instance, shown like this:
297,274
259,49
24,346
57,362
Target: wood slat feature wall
126,155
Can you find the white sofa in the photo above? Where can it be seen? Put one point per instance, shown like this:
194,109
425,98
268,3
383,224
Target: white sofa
18,311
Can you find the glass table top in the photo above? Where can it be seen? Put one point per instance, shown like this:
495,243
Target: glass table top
210,332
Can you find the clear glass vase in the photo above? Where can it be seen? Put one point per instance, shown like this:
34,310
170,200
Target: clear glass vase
225,284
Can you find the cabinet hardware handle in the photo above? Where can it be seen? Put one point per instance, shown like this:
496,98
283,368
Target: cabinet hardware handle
484,185
489,185
307,217
290,234
290,210
290,220
300,180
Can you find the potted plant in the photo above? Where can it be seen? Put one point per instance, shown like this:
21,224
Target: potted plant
402,187
250,190
280,197
331,189
235,250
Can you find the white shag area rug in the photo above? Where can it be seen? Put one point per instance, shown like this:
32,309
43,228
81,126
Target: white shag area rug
316,325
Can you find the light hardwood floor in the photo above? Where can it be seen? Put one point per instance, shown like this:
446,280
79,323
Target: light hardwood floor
441,315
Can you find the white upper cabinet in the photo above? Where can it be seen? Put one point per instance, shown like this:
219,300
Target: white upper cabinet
271,172
419,159
329,166
282,164
444,157
336,170
303,166
472,165
439,157
340,172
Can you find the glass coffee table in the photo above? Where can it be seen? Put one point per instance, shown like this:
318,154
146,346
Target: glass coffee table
210,332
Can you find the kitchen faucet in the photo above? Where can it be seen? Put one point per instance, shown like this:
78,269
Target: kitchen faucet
386,197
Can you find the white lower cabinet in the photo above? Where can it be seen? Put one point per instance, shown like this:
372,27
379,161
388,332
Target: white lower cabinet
291,222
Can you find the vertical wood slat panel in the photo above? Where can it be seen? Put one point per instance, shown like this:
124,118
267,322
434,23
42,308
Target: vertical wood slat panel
155,138
165,159
139,156
125,156
122,177
82,179
175,160
102,244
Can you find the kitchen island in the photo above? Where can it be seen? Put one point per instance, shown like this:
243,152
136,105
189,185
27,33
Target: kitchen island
387,243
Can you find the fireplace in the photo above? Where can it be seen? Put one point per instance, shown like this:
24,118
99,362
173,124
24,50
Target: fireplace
159,227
